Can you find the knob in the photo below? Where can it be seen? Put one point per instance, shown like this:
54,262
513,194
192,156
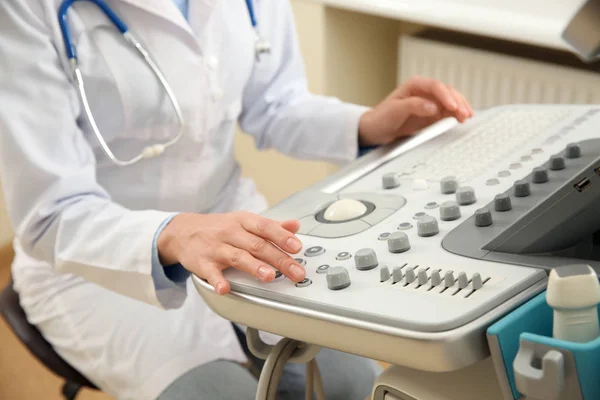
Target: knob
390,180
573,150
398,242
540,175
463,281
449,279
427,226
436,278
477,281
410,275
365,259
338,278
449,211
521,188
397,274
465,195
384,273
449,184
483,217
557,162
422,277
502,202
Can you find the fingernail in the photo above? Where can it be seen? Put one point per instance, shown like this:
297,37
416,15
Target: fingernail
293,244
297,272
264,272
219,288
430,108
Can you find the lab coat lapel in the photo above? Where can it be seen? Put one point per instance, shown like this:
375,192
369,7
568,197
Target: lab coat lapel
165,9
199,13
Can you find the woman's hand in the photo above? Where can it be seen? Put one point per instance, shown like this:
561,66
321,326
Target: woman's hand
416,104
206,244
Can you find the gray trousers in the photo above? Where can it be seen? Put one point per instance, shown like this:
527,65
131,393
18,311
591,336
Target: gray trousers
345,377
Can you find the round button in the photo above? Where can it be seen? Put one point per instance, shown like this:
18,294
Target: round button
390,180
338,278
343,256
427,226
540,175
384,236
398,242
300,261
573,150
384,273
515,166
431,205
322,269
557,162
465,195
450,211
526,158
483,217
365,259
492,182
503,174
344,210
521,188
419,215
449,184
404,226
537,151
420,184
305,282
502,202
314,251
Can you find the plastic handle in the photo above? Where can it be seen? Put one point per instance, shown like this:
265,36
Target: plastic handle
547,383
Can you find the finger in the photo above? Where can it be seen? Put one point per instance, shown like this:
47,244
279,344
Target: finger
417,106
463,111
213,273
291,226
265,251
272,231
432,87
242,260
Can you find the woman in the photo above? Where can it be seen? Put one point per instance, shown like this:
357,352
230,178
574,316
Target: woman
103,251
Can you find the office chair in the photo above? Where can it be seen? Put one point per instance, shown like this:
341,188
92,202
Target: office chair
30,336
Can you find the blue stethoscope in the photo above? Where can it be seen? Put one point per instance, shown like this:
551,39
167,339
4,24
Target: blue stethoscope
261,47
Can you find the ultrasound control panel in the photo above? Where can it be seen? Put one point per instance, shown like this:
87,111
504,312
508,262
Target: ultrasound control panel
431,234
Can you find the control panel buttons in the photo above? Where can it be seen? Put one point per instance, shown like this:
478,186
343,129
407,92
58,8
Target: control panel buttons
436,278
483,217
365,259
384,236
492,182
431,205
405,226
418,215
398,242
449,279
540,175
515,166
427,226
557,162
314,251
300,261
503,174
344,255
449,185
502,202
463,281
410,275
573,150
384,273
397,275
450,211
390,180
344,210
305,282
322,269
526,158
422,277
477,281
338,278
465,195
521,188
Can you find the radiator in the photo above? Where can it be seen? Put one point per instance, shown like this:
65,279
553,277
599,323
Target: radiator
487,78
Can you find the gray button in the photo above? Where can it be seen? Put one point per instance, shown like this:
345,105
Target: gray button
502,202
384,273
300,261
422,277
521,188
515,166
384,236
278,274
306,282
449,211
465,195
526,158
436,278
322,269
477,281
419,215
343,256
573,150
537,151
449,279
540,175
427,226
338,278
503,174
410,275
492,182
431,205
483,217
463,281
449,184
557,162
397,274
314,251
404,226
390,180
365,259
398,242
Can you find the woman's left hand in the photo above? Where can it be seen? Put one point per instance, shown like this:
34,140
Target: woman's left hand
414,105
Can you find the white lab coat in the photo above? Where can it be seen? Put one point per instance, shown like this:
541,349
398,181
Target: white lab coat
84,226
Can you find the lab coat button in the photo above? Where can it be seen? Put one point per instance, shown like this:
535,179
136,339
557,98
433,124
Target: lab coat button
217,94
212,62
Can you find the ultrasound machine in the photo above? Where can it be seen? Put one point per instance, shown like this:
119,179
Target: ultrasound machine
467,257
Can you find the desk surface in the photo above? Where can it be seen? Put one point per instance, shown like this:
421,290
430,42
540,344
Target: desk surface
536,22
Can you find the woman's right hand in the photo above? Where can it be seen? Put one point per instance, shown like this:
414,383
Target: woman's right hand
206,244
